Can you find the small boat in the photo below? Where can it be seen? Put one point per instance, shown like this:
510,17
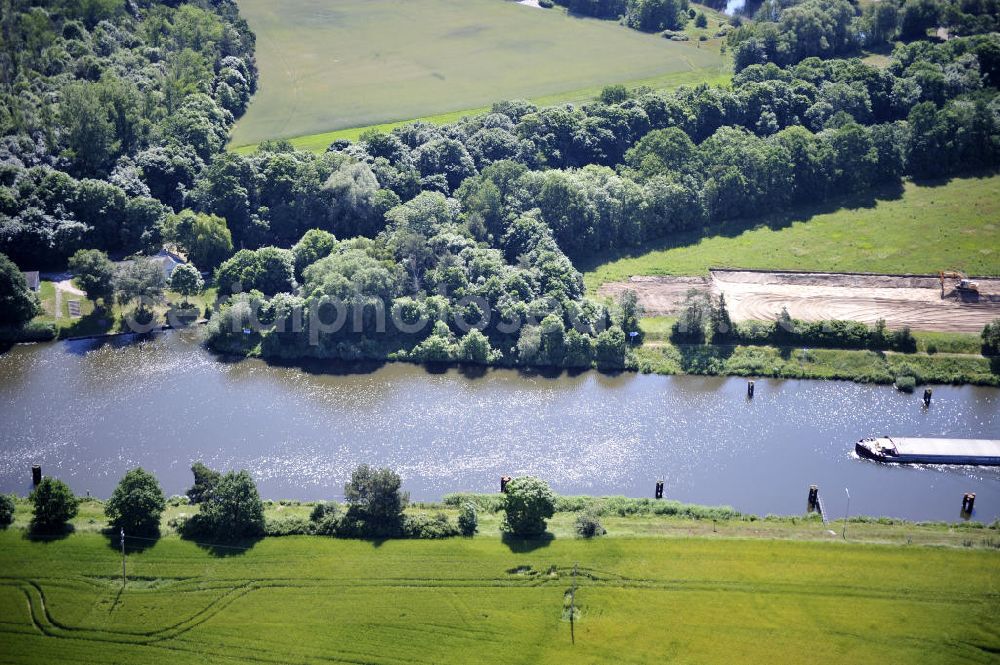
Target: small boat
904,450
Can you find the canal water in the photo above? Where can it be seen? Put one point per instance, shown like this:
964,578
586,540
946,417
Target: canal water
89,411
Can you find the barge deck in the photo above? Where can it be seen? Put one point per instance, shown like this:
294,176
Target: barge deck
906,450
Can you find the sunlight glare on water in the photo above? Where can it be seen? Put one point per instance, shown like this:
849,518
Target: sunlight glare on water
89,412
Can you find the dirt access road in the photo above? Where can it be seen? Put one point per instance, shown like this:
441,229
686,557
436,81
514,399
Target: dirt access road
902,300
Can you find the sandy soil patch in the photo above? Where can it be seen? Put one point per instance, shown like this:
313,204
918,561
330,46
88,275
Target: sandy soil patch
914,301
660,296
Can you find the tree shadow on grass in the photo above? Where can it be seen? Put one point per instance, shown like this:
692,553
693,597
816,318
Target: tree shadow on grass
228,549
944,180
703,359
736,227
135,544
98,322
48,535
520,545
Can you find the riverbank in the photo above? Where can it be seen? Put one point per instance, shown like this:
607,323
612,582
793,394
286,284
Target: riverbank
662,357
623,517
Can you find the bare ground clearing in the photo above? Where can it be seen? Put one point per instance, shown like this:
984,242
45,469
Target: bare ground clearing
902,300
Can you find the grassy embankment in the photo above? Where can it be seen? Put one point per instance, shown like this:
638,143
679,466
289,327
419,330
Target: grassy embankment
692,598
924,229
364,63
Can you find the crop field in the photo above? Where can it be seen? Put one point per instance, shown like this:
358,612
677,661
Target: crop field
923,229
333,64
638,600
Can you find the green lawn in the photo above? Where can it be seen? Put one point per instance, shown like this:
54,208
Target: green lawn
639,600
327,66
924,229
93,321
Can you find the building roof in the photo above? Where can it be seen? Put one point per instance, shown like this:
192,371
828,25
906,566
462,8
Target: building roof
166,259
33,279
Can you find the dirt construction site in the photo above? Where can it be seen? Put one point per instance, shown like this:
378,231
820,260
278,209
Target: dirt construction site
917,301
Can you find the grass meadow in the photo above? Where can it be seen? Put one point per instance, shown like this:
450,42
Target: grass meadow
354,63
922,229
638,600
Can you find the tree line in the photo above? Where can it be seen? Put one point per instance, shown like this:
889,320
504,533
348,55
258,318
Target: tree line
785,32
644,15
230,509
442,243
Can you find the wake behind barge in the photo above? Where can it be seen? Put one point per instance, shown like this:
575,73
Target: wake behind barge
902,450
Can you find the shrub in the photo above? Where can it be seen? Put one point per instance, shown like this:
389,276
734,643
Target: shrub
487,503
54,505
375,502
689,328
288,526
325,518
905,383
903,340
18,303
204,481
136,504
187,281
428,527
932,348
588,526
322,510
33,331
468,519
991,338
7,506
233,510
95,273
527,504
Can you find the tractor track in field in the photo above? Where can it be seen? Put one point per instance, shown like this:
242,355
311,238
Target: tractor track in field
175,638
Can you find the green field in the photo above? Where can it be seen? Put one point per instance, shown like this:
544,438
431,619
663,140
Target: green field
639,600
353,63
318,143
923,229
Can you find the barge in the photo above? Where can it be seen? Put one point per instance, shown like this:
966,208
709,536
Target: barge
903,450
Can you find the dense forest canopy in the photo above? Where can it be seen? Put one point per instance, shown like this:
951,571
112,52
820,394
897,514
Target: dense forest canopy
109,111
456,241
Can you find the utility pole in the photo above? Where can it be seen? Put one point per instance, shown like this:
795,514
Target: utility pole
847,512
123,558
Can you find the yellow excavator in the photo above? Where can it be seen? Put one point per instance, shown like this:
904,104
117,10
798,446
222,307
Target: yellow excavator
964,286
